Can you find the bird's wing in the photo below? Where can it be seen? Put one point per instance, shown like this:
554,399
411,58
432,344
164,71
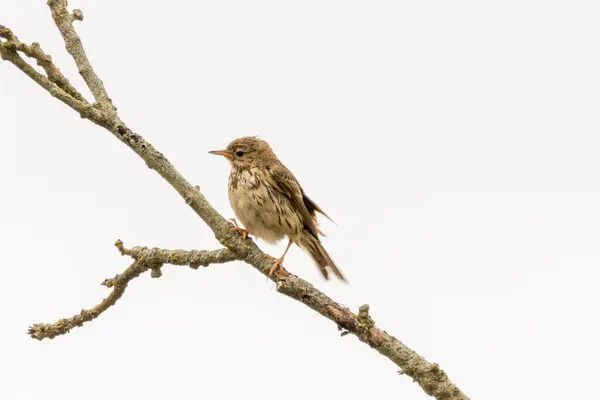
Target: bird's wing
312,206
286,183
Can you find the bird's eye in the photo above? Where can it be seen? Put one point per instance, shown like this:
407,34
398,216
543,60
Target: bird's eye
239,153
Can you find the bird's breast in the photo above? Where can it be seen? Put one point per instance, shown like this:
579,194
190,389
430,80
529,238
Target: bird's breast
264,211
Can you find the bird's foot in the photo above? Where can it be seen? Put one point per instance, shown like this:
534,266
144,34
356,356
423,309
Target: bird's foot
236,228
278,264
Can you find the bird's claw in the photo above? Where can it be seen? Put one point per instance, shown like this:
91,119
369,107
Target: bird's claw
236,228
278,264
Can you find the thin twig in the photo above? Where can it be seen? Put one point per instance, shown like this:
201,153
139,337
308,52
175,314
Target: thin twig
64,23
43,60
144,259
9,54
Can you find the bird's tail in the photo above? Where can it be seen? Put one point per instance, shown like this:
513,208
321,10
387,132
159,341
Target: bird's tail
314,247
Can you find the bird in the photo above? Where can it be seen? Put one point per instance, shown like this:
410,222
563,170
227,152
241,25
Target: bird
269,201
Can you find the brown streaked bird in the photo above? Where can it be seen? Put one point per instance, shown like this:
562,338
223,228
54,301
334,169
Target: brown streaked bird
269,201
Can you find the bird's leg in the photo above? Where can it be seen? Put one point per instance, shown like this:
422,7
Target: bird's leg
279,261
236,228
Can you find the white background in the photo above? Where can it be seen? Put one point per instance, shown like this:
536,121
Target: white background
455,144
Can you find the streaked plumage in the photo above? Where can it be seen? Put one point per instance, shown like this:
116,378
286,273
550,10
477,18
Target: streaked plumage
269,201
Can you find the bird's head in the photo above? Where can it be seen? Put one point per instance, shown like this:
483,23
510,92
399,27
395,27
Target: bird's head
247,152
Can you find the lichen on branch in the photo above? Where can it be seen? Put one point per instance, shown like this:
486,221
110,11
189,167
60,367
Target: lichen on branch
144,259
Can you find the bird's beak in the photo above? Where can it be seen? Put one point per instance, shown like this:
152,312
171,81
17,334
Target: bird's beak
223,153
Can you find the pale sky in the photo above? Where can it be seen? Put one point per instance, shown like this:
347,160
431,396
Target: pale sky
456,145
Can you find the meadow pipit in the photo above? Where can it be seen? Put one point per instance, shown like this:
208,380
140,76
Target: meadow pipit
270,202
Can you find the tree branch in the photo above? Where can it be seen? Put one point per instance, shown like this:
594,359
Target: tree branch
64,22
144,259
429,376
43,60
